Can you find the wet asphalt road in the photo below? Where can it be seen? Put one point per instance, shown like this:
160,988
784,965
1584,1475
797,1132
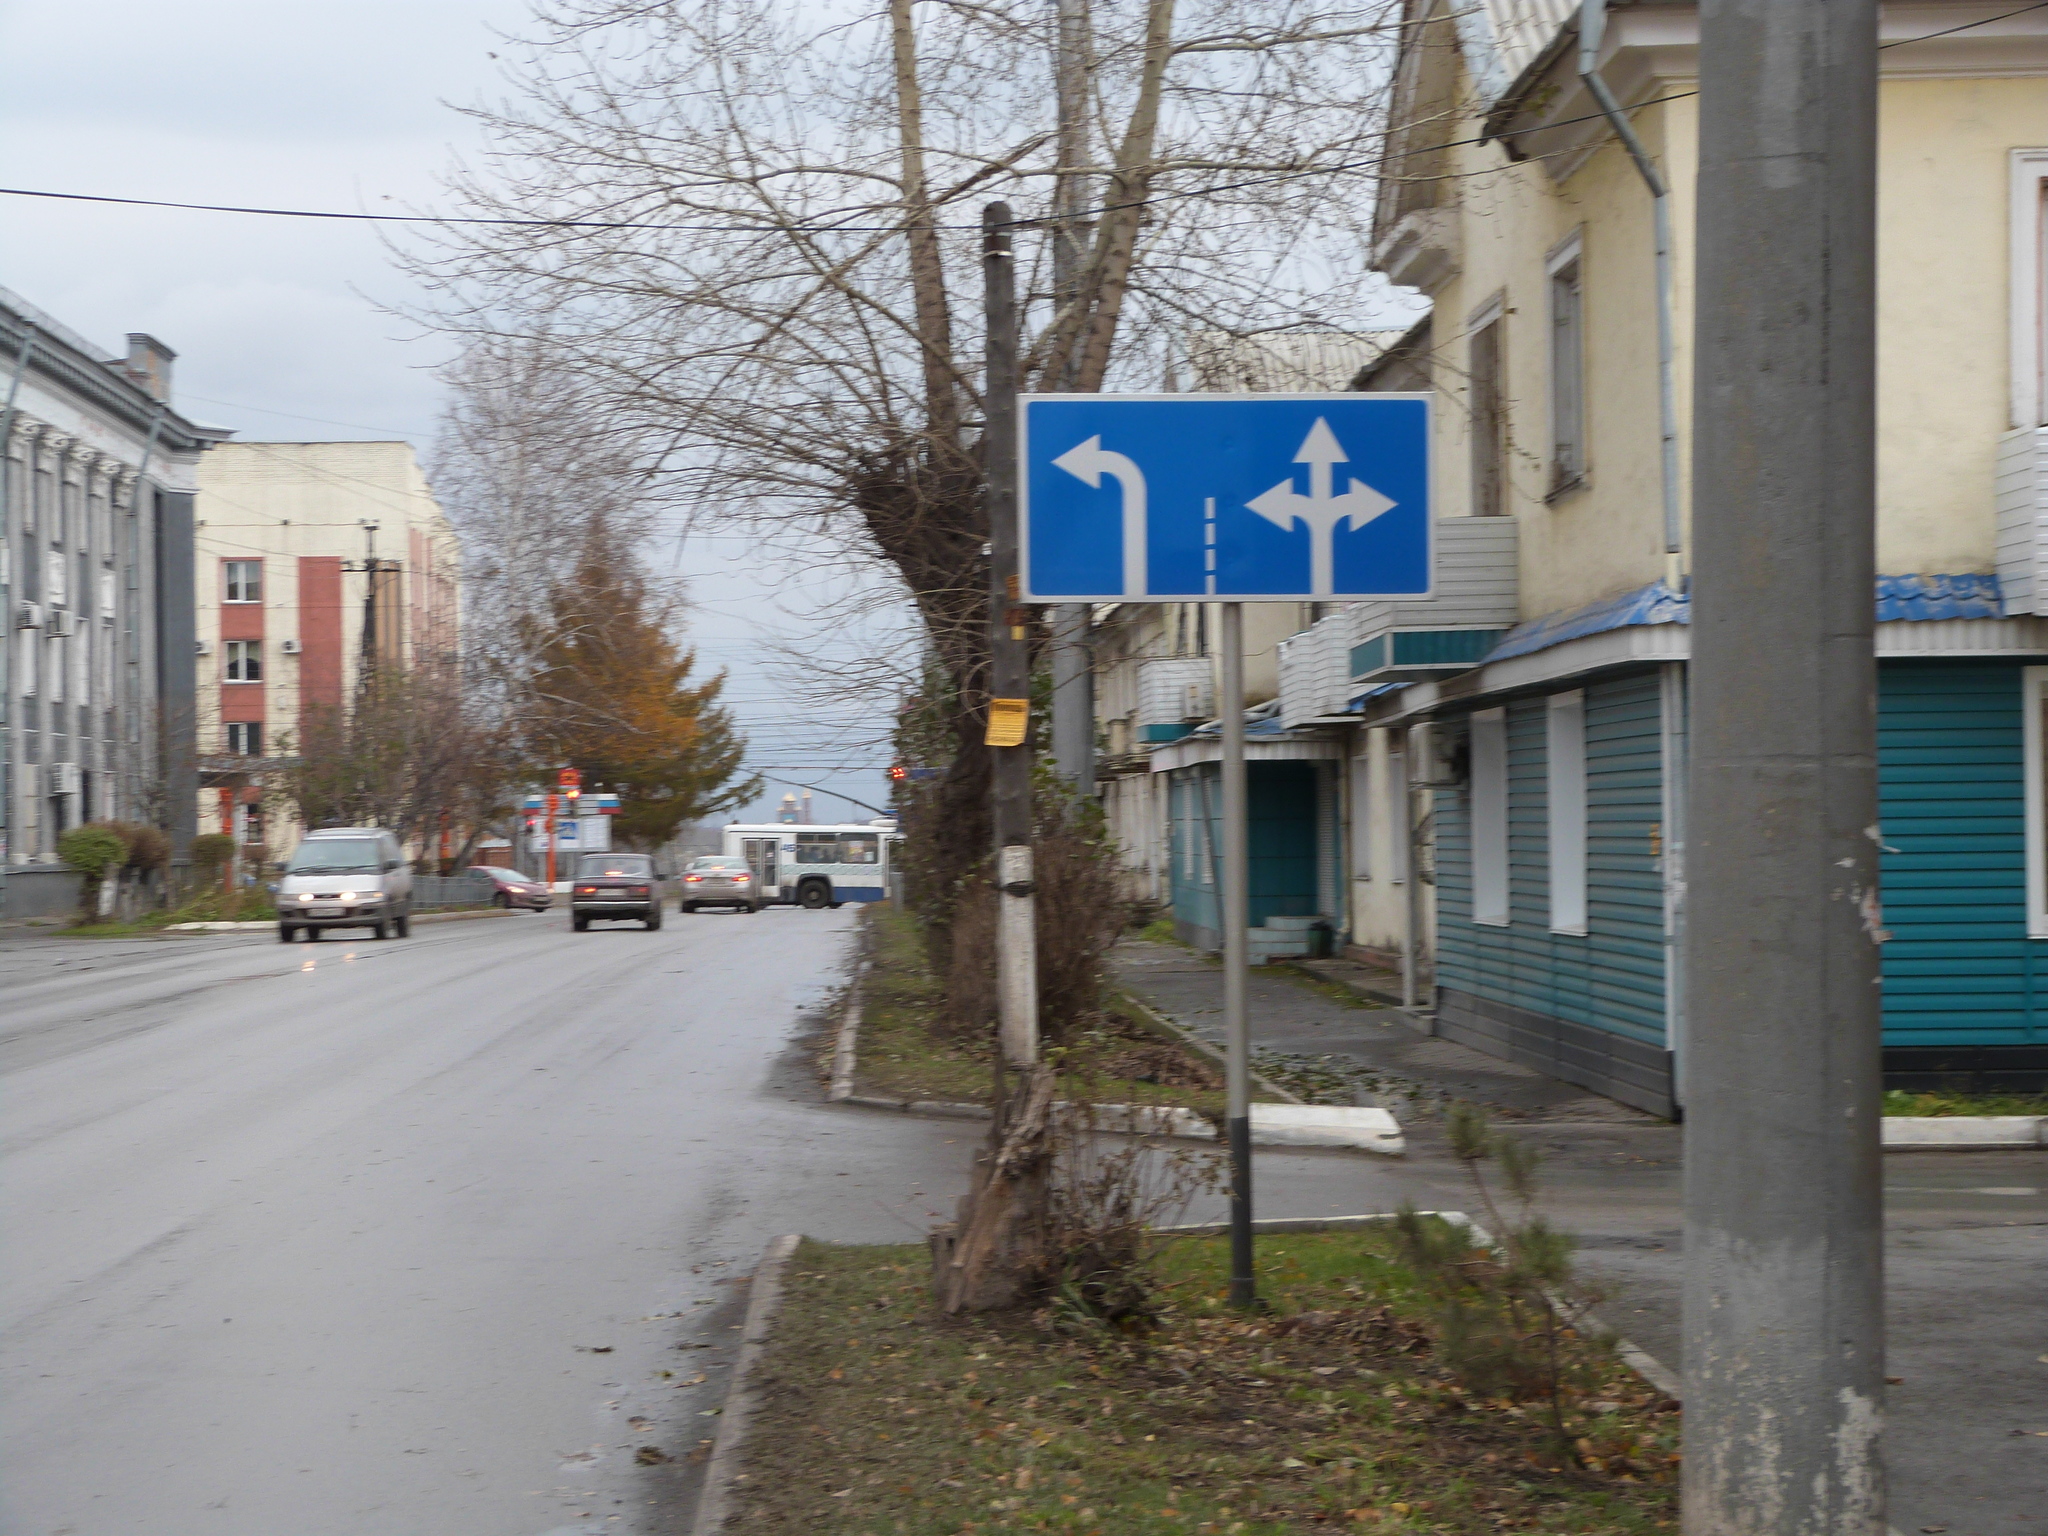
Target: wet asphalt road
401,1237
431,1237
427,1237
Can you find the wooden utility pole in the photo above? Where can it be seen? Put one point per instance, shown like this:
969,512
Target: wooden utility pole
977,1263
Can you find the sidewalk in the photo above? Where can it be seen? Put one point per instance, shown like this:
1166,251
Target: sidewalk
1378,1048
1965,1258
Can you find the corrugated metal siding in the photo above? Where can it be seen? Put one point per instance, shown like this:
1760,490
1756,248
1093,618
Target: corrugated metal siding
1612,978
1959,969
1285,830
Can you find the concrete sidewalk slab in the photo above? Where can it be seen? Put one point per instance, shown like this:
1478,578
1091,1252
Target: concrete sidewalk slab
1384,1050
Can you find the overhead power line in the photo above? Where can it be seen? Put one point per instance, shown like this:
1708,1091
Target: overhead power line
770,226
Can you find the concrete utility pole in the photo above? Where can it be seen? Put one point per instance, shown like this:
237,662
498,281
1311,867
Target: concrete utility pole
1073,668
1784,1292
1009,657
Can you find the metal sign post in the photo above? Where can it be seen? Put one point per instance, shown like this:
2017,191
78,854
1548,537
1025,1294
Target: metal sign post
1228,499
1236,921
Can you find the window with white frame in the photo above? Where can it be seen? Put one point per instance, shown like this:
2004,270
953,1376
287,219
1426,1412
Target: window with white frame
1567,368
1566,741
1398,832
1490,817
245,738
244,661
1361,804
2035,733
2029,288
244,580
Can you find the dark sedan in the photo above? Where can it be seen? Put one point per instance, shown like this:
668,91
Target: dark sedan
513,888
615,887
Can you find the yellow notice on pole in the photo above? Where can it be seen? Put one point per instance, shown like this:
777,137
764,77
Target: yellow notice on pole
1007,719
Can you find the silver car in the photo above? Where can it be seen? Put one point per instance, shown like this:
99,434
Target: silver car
345,877
719,881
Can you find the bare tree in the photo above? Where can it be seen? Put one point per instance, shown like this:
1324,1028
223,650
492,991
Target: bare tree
760,229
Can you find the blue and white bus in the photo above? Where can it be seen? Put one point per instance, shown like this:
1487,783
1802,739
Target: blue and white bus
816,866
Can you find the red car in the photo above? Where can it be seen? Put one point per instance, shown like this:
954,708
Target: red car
514,889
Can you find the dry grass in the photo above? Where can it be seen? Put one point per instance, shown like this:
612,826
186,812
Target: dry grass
1331,1413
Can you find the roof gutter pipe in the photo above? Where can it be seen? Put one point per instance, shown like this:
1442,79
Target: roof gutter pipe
1592,26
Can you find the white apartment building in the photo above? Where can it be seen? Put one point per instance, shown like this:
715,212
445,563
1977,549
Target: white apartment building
97,475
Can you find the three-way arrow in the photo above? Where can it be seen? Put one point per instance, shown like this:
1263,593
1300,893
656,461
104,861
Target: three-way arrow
1321,509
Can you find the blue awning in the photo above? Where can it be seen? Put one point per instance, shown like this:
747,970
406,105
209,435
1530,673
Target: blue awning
1900,600
1913,599
1654,604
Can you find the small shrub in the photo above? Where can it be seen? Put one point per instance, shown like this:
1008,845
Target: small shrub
1508,1317
149,849
1096,1262
94,850
971,1003
211,852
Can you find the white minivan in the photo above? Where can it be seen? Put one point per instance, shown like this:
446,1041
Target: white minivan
345,877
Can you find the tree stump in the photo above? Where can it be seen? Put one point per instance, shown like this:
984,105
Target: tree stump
982,1261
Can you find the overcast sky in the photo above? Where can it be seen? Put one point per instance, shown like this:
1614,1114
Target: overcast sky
277,322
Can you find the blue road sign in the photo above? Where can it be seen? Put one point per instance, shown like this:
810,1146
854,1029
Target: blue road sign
1257,498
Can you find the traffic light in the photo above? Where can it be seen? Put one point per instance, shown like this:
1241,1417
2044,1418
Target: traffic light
899,773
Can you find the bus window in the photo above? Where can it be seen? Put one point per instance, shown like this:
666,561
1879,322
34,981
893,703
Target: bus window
817,848
860,848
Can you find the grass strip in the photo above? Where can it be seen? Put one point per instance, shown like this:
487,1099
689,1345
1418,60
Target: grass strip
905,1052
1922,1105
879,1418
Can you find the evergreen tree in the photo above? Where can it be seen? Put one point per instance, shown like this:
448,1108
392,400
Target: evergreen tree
612,696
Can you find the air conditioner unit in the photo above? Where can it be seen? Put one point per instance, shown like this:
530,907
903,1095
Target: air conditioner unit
63,778
60,621
289,647
28,615
202,647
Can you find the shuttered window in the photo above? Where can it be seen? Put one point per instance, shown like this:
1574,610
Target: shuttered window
1567,373
1361,805
1566,760
1398,834
1490,817
1488,372
2035,736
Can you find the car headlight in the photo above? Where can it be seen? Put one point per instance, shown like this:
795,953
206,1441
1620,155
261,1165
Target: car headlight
305,898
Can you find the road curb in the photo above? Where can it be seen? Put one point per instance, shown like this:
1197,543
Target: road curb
1345,1126
1963,1133
847,1043
714,1504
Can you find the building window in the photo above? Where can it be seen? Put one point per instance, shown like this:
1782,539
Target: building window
245,738
1490,817
244,661
1487,387
2029,288
1567,369
1567,797
2035,694
1361,806
244,580
1399,833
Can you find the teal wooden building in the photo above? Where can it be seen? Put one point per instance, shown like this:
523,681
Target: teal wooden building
1578,981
